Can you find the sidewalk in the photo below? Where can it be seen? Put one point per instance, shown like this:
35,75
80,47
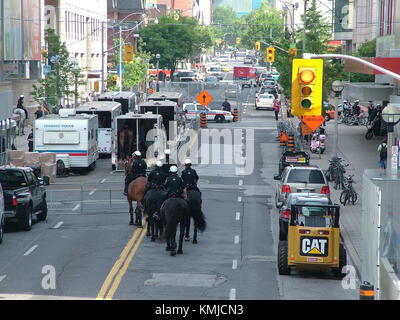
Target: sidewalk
361,154
21,142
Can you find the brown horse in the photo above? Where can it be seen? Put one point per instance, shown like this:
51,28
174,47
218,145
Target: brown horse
135,193
126,141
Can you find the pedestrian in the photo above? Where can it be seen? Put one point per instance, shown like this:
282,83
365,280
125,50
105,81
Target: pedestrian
226,106
277,106
39,112
382,149
30,141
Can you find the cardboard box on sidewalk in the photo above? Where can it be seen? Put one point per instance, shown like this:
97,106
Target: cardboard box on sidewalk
16,155
48,157
50,170
32,159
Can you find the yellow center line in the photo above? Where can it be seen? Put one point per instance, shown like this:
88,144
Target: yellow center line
122,257
124,268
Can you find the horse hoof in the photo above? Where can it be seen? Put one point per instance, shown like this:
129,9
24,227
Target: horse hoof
173,253
195,241
131,223
180,252
153,239
187,238
174,247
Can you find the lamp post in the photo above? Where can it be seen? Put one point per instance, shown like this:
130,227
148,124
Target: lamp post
337,88
158,56
391,115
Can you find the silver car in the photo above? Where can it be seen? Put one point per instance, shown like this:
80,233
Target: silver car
300,179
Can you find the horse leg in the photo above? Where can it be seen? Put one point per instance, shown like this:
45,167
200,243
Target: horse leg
138,216
187,228
130,213
195,234
182,227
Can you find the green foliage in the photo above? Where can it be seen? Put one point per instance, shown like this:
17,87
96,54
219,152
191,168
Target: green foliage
174,39
61,82
225,24
367,49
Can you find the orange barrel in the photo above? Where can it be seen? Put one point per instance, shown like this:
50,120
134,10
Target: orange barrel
290,143
282,139
203,120
235,115
367,291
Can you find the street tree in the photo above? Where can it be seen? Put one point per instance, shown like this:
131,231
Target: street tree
225,25
175,38
366,50
65,77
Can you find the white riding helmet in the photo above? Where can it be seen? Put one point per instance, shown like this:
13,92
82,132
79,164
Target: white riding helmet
22,96
159,164
187,161
137,154
173,169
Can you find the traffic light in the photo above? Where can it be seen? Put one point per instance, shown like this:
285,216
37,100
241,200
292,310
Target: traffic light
258,45
270,54
129,52
114,80
307,76
293,51
237,40
44,56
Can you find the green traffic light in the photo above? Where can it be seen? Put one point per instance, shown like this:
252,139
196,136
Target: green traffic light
306,103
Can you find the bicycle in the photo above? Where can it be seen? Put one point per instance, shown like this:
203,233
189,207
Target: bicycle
348,194
335,172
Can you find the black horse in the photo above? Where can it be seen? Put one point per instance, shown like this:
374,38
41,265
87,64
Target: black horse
194,202
152,202
174,211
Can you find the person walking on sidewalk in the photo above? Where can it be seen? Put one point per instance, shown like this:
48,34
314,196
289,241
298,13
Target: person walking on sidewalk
277,106
30,141
382,149
39,112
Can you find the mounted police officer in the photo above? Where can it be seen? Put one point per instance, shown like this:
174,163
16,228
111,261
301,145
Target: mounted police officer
156,178
174,184
189,176
138,169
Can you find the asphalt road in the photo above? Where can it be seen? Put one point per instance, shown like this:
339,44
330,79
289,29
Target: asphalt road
87,244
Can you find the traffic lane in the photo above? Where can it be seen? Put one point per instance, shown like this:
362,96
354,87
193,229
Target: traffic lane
204,271
312,285
81,251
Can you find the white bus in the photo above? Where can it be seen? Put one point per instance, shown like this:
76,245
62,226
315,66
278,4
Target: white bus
106,111
73,138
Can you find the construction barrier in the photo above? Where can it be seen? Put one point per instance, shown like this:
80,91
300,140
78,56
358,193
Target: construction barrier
367,291
235,115
203,120
290,143
283,138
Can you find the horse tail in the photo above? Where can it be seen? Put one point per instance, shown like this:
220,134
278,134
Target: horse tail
171,226
196,212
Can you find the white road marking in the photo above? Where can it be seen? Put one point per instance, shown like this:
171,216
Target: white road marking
234,264
76,207
104,180
239,199
240,182
31,250
91,192
236,239
237,215
58,225
232,294
2,278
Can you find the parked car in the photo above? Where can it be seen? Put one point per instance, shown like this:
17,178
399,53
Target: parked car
193,111
299,198
248,60
24,196
300,179
211,82
265,101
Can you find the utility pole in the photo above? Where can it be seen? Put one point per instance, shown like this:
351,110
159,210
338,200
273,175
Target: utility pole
102,58
305,25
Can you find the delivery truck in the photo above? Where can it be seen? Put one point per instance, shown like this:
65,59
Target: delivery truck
106,112
72,137
246,76
137,132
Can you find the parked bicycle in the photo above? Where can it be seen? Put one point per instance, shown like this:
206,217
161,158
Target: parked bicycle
335,172
348,195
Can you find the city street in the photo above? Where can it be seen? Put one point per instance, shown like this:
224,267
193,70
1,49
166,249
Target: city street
95,253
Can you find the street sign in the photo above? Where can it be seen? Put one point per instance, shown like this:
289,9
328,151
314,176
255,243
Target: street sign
204,98
123,69
313,122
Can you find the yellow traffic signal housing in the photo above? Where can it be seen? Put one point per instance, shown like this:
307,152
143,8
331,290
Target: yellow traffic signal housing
114,80
293,51
258,45
270,54
129,52
307,76
237,40
44,56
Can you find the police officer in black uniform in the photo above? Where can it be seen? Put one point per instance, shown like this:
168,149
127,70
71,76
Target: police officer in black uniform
156,178
226,106
174,183
189,176
138,169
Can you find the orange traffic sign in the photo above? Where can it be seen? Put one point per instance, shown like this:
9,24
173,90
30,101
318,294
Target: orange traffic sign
204,98
313,122
305,130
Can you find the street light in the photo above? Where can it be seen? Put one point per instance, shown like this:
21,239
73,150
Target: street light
391,115
158,56
337,88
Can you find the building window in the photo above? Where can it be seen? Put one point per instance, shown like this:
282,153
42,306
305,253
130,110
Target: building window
386,9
